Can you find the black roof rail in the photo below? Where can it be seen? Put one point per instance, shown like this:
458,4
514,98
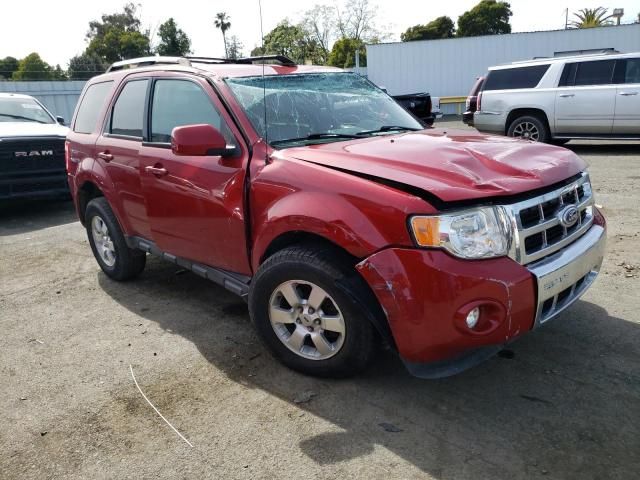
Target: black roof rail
281,59
209,59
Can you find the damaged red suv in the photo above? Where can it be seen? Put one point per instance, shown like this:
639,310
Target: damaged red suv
344,223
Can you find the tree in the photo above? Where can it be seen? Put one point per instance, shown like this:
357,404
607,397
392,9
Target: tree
118,36
591,17
32,67
489,17
58,74
85,66
441,27
343,53
235,48
291,41
223,22
173,40
8,65
319,25
357,20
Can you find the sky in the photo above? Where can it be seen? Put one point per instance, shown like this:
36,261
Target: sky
56,30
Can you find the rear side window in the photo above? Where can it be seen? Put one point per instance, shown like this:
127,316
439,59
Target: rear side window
182,102
89,109
598,72
628,71
128,110
512,78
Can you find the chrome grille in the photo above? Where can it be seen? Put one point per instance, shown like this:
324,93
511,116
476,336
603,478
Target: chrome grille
537,225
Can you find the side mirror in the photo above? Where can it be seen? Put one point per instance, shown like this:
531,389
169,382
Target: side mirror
60,120
200,140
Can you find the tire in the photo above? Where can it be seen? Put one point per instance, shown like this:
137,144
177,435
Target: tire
529,127
108,244
308,273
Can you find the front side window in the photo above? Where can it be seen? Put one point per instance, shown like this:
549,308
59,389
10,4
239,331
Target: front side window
182,102
318,108
89,109
632,71
17,109
128,110
512,78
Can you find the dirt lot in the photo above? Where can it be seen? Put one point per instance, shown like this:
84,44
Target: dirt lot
567,405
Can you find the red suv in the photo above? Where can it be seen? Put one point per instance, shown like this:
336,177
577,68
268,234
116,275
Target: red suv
312,194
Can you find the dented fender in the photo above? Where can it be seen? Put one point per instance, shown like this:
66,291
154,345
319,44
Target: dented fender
423,291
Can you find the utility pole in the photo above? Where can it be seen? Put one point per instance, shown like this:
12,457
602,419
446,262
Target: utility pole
566,18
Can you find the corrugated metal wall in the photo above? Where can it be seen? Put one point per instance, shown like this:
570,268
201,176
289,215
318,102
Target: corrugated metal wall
449,67
60,97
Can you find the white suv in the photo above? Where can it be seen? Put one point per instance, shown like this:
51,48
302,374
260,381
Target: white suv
557,99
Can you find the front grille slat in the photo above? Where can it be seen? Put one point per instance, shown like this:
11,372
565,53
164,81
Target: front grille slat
31,155
540,229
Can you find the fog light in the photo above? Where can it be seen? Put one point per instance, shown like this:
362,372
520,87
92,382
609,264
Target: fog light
472,317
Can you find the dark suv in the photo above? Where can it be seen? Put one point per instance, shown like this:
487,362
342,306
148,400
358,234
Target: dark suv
311,193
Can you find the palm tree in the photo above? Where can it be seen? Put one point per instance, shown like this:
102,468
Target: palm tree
591,17
223,22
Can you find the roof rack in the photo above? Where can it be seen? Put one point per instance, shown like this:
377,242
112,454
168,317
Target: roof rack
188,61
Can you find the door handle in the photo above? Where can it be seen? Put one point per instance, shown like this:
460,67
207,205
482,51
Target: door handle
106,156
566,95
627,94
158,171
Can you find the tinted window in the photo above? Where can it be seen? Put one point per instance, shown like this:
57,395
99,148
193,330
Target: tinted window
181,102
510,78
631,71
595,73
129,109
89,109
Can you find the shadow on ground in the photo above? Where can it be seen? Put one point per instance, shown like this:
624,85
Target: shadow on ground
567,404
609,149
26,216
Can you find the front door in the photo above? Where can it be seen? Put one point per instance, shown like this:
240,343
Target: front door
627,116
194,203
586,98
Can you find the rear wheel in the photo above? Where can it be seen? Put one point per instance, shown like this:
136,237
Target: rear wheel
529,127
108,244
307,321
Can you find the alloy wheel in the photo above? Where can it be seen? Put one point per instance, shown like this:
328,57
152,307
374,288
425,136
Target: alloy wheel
526,130
103,242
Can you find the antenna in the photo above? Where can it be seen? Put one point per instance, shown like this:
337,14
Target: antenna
264,85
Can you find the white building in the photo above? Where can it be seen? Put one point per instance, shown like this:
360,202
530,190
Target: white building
449,67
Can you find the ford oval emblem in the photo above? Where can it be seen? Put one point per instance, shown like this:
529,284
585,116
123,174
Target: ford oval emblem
569,216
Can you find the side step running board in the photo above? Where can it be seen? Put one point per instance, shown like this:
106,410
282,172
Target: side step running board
234,282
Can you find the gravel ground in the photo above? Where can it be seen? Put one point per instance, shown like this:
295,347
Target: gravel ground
566,405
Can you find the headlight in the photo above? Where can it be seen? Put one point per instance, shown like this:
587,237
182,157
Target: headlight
478,233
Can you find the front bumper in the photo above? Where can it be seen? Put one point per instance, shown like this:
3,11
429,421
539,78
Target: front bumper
34,186
423,293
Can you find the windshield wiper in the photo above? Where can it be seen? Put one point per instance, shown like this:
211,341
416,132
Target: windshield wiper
315,136
388,128
20,117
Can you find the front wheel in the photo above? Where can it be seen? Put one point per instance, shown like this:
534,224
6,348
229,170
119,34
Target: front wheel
307,321
529,128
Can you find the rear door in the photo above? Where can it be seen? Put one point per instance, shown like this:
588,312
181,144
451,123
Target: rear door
196,208
118,153
586,98
627,112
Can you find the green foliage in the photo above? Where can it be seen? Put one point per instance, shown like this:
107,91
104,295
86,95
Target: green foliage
8,65
591,17
85,66
223,22
235,48
173,40
343,53
118,36
319,24
441,27
32,67
489,17
291,41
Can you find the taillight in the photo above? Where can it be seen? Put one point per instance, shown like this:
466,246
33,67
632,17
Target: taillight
478,107
67,155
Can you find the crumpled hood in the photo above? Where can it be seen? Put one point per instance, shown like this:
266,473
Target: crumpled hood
31,129
453,165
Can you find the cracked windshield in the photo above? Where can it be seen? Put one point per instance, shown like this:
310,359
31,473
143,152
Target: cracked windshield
318,108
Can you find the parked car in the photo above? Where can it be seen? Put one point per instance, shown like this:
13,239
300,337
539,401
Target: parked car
313,195
420,105
31,149
471,104
558,99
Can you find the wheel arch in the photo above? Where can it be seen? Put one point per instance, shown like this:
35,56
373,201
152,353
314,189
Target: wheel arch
87,191
522,111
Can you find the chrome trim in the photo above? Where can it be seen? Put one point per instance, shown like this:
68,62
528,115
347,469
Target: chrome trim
520,233
573,268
